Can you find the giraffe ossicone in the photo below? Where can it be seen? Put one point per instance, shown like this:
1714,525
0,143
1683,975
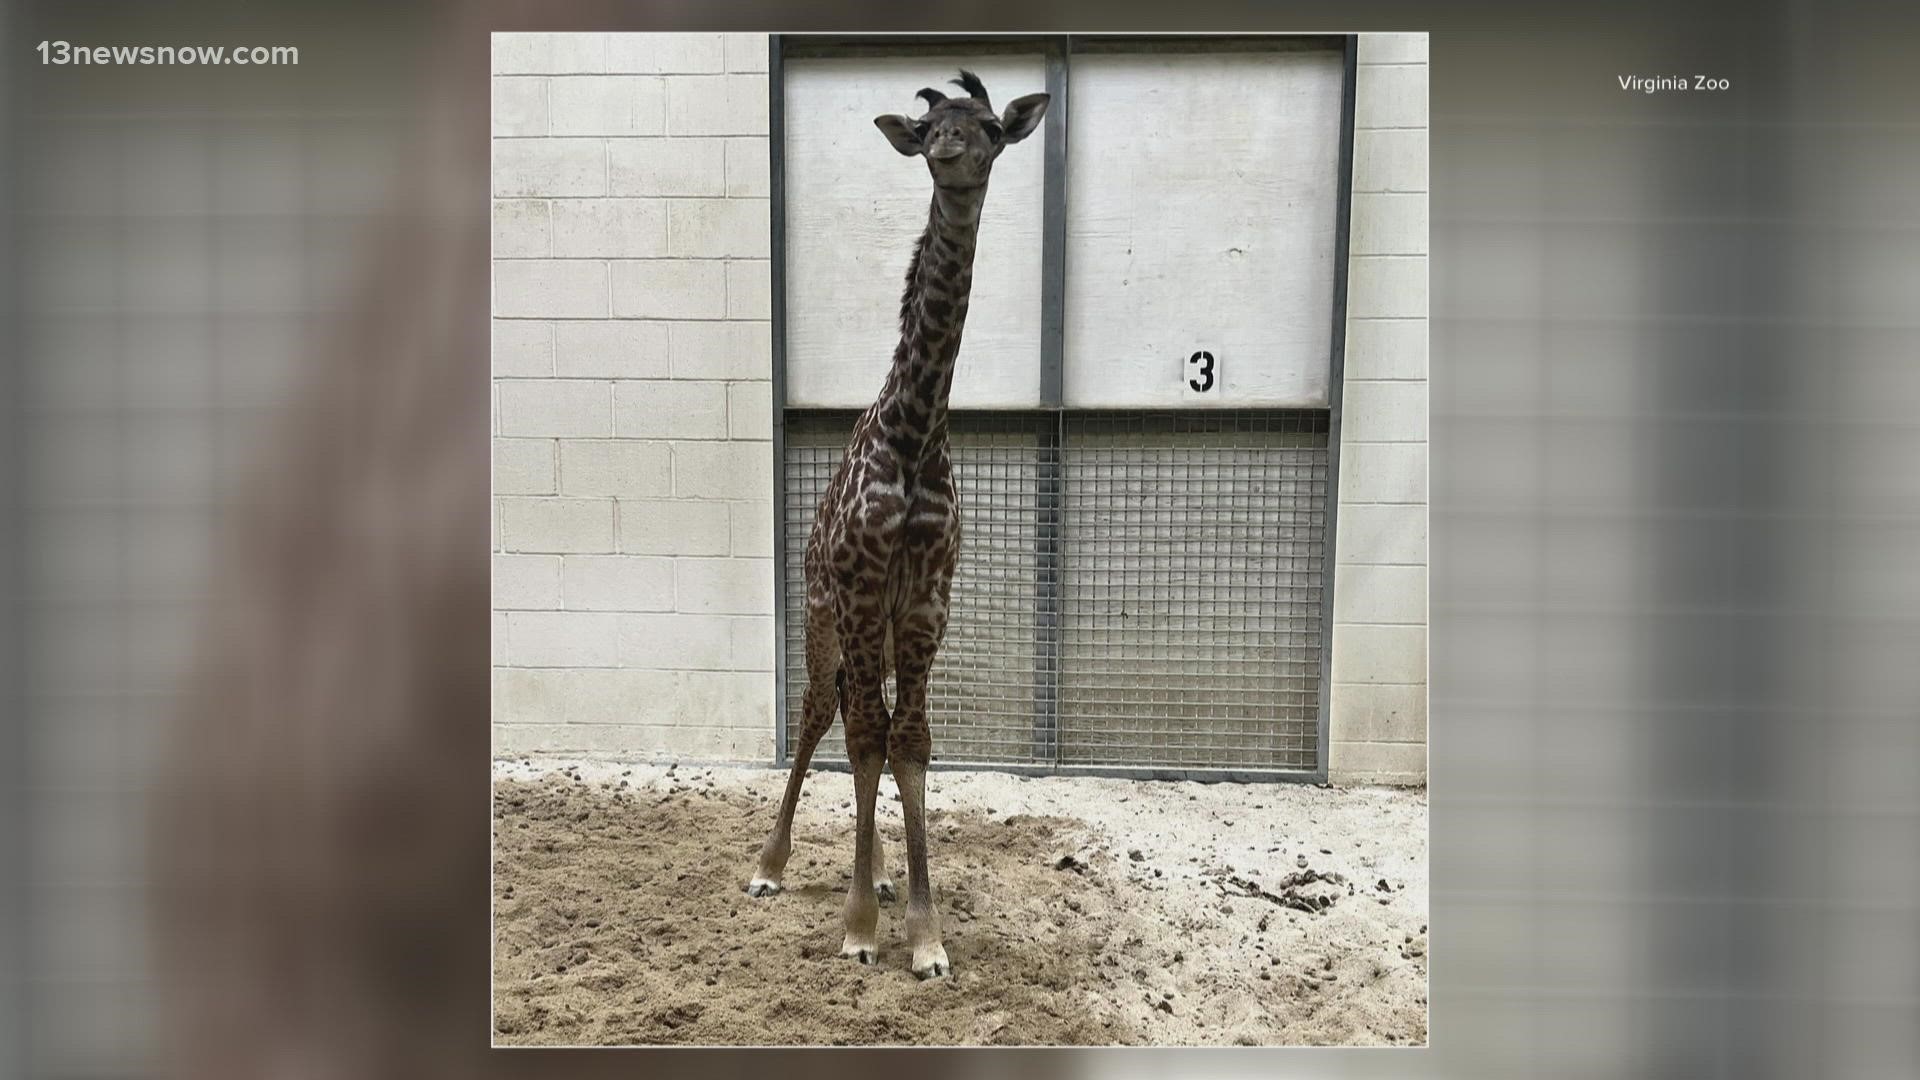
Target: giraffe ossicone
886,536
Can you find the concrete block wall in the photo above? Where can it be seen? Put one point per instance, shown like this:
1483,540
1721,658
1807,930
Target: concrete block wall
1378,716
632,453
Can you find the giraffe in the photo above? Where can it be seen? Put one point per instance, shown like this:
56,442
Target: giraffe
881,554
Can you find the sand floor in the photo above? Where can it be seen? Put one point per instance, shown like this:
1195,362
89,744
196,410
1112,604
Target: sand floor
1075,911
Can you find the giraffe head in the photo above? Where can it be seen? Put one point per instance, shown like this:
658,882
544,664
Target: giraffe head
960,137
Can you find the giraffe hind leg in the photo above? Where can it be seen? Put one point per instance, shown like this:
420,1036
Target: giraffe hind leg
825,693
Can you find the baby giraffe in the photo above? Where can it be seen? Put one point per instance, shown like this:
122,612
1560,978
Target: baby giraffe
880,558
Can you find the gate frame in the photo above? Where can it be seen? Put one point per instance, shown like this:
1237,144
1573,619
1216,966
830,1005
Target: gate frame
1058,50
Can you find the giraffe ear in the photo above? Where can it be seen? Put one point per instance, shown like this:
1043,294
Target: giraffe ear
900,132
1023,116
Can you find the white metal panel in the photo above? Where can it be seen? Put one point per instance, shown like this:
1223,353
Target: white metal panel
1201,191
855,208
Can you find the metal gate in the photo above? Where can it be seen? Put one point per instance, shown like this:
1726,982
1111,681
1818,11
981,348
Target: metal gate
1146,593
1136,591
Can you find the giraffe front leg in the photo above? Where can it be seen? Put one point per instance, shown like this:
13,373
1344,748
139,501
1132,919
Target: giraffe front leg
862,941
909,745
866,728
882,881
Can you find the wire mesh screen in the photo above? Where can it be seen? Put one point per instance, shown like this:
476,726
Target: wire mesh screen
1134,589
983,687
1194,552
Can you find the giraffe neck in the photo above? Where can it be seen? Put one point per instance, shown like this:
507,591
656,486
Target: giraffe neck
933,311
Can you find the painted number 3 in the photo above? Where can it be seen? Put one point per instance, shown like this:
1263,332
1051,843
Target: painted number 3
1202,362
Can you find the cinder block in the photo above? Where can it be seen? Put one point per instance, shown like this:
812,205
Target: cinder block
1386,349
547,290
706,743
726,699
746,52
555,408
536,168
677,642
717,228
674,527
753,528
526,582
616,467
522,348
609,228
655,167
1378,712
556,54
524,467
520,229
670,289
614,105
1401,48
1390,97
1384,412
499,638
753,643
1387,286
750,289
749,174
723,470
519,106
1377,763
1379,654
724,586
1383,473
717,105
556,525
586,695
562,639
1393,160
619,583
722,350
523,697
670,409
616,349
1389,224
1380,594
666,54
622,741
1383,534
750,410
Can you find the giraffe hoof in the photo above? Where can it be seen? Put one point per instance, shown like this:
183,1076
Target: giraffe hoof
866,954
930,962
884,890
762,887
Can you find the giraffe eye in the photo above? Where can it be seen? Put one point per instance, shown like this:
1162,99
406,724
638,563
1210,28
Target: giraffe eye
994,132
920,131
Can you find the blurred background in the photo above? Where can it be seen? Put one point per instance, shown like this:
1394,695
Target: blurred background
1675,599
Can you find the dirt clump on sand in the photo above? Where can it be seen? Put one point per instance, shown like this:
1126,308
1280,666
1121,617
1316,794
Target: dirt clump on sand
620,916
